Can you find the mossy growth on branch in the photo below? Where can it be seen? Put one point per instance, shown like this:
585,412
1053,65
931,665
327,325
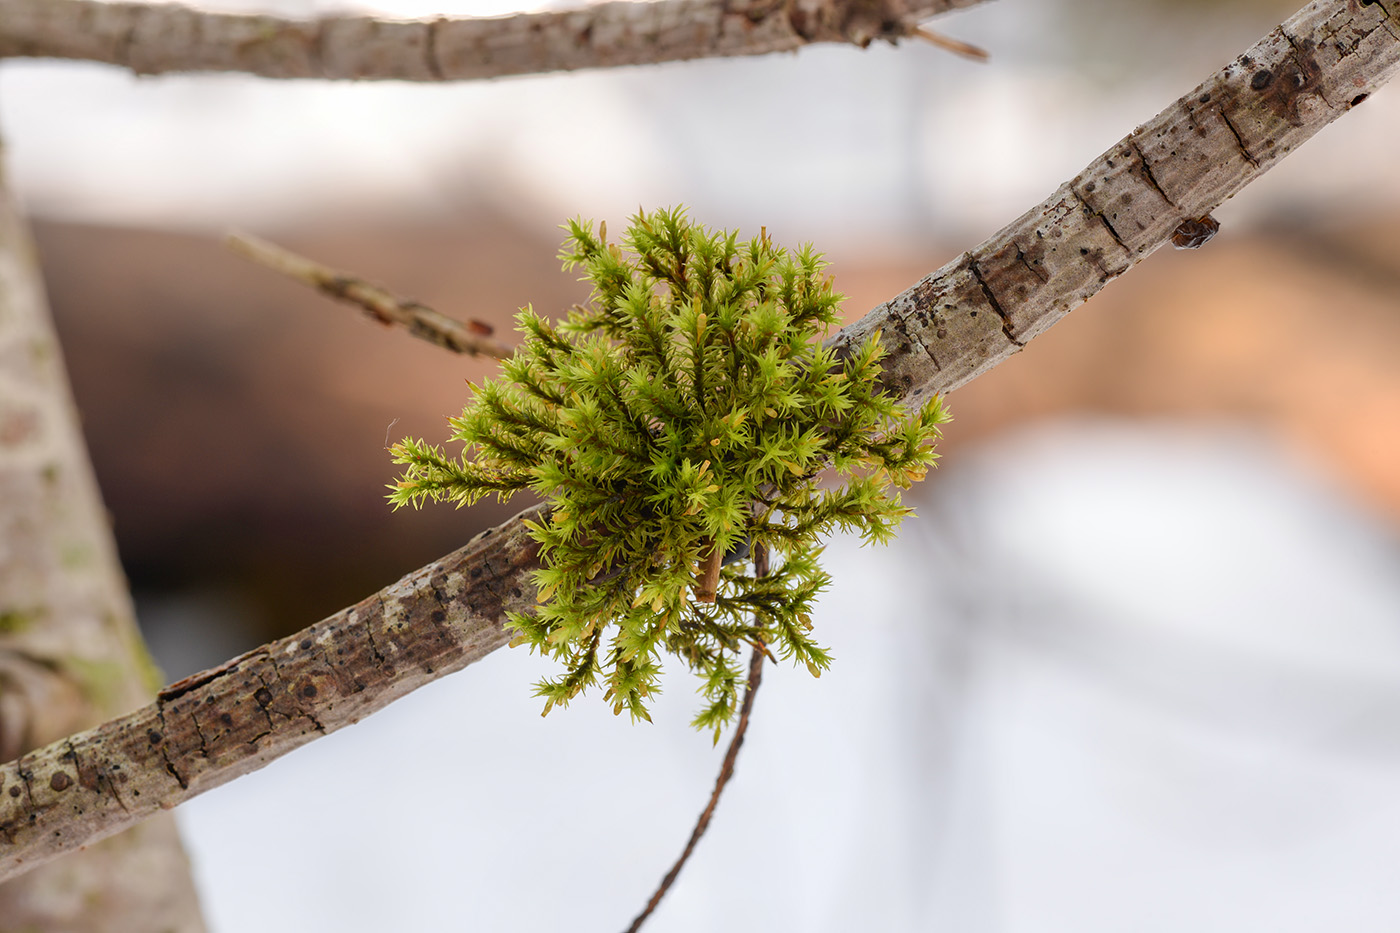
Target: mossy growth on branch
678,423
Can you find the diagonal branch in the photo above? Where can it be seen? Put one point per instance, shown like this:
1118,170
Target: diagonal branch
471,337
156,38
952,326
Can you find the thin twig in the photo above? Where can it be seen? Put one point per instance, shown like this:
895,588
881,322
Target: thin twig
726,770
472,337
948,43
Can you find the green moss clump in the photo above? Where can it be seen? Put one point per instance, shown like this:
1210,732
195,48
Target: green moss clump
684,414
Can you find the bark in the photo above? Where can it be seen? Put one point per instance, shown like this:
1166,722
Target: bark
70,654
955,324
159,38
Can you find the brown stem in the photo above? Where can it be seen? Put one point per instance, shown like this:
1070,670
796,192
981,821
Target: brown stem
726,772
472,337
707,578
949,44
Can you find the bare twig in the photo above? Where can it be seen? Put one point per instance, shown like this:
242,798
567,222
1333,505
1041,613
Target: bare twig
948,43
472,337
156,38
726,772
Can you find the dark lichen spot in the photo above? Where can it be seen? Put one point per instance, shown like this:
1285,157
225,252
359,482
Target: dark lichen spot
476,572
262,696
1193,234
1205,98
60,781
941,332
153,737
308,691
226,719
306,644
14,791
1261,79
439,616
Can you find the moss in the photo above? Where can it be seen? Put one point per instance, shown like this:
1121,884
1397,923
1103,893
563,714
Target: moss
15,619
103,683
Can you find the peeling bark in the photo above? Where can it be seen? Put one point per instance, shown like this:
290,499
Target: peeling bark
161,38
70,654
955,324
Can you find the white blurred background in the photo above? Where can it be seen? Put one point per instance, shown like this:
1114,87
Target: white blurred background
1135,665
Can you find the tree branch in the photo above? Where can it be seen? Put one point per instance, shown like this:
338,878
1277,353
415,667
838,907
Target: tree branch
471,337
159,38
948,328
70,653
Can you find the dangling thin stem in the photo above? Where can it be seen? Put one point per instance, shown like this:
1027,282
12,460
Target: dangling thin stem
726,771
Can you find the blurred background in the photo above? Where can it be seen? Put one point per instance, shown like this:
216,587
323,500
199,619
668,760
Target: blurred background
1135,665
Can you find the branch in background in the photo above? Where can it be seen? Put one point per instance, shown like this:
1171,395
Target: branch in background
157,38
70,653
952,326
473,337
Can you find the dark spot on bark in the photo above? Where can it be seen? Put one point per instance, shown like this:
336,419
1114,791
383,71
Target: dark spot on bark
60,781
515,591
1090,186
262,696
1261,79
153,737
487,532
439,616
1358,99
972,314
1083,251
1205,98
226,719
476,572
306,644
941,332
14,791
308,691
1193,234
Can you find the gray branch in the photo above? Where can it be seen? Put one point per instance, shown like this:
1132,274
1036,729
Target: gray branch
952,326
158,38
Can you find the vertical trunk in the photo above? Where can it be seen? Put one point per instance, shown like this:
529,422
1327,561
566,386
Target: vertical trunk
70,652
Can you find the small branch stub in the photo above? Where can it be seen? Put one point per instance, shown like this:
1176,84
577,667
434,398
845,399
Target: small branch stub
707,579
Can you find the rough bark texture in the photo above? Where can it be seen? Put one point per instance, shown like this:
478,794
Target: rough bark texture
70,654
953,325
158,38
